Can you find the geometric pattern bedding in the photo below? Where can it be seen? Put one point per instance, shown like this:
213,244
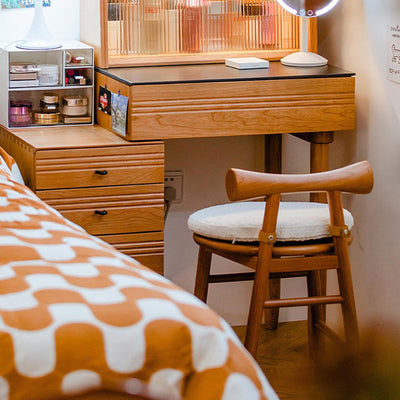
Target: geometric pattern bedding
76,317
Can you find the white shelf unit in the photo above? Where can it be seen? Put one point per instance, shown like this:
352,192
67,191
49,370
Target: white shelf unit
11,54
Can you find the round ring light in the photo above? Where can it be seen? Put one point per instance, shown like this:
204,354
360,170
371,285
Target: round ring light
306,9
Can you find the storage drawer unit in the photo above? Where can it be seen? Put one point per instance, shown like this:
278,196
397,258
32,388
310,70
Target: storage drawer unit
112,188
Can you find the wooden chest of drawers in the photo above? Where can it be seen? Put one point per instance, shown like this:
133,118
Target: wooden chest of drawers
114,189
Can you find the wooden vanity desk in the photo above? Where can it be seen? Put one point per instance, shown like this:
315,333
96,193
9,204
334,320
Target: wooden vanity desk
114,187
188,101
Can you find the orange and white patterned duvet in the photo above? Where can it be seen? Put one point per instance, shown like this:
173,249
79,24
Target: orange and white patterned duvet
76,316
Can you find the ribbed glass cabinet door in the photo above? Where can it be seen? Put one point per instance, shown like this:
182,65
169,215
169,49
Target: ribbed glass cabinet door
209,28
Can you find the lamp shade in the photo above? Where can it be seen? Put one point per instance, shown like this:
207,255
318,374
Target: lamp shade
39,36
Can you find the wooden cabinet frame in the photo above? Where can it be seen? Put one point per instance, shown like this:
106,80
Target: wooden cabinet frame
94,31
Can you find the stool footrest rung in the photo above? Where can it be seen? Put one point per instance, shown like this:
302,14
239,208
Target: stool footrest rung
303,301
249,276
243,276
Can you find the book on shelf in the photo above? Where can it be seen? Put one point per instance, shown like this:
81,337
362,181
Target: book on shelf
26,76
24,83
77,120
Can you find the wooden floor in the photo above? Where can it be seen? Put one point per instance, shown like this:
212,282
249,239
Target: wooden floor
283,356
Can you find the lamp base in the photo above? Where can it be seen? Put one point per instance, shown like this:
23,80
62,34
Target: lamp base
39,45
39,37
304,59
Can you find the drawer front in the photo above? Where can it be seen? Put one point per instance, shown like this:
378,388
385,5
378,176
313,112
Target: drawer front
147,248
104,166
111,210
259,107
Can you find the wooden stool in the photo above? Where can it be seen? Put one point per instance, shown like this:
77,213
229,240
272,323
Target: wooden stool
301,240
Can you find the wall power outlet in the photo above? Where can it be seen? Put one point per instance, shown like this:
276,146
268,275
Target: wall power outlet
175,180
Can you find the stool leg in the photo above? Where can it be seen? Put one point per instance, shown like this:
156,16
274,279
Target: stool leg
346,291
202,274
259,295
273,164
344,271
261,279
315,314
271,315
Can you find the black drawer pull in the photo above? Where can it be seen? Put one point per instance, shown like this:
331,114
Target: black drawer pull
98,172
101,212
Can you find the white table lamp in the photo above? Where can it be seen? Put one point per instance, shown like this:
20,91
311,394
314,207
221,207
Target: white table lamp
306,9
39,36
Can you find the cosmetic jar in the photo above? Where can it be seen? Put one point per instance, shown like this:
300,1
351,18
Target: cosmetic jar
20,113
46,118
75,106
48,74
49,102
68,57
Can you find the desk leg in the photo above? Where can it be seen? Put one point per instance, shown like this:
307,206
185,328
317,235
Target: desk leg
319,158
273,163
319,162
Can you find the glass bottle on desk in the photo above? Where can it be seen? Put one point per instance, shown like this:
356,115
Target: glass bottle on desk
251,24
171,26
133,26
235,25
269,25
114,27
192,26
215,33
152,27
288,23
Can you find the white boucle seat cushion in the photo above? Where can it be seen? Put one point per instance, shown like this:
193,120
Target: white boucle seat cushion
242,221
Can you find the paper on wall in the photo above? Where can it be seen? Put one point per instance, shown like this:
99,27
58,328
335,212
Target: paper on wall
393,53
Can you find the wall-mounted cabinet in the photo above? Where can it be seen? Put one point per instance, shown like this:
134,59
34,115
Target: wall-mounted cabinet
47,87
142,32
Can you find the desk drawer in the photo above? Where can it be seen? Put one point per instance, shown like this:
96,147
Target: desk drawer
230,108
111,210
103,166
147,247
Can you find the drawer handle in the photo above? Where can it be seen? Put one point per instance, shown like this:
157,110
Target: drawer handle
98,172
101,212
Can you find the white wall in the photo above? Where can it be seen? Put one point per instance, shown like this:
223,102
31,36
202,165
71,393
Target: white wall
62,19
353,37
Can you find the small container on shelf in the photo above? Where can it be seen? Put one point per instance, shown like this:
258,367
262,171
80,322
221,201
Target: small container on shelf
20,113
49,102
48,75
73,59
75,110
77,77
75,106
46,118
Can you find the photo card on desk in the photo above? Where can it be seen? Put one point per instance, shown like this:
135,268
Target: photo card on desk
119,113
104,103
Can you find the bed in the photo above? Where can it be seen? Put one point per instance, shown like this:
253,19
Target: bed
79,319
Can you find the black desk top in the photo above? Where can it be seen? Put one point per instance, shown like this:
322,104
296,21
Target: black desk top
216,73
